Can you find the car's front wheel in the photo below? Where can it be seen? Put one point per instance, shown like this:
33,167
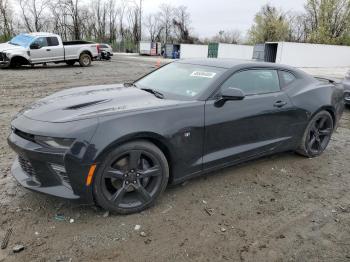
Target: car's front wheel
131,177
317,135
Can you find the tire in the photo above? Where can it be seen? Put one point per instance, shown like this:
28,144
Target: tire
124,185
85,60
70,62
317,135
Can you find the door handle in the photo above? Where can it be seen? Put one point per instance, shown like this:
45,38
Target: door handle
48,50
280,104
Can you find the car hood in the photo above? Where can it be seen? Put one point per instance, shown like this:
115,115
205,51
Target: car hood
87,102
6,47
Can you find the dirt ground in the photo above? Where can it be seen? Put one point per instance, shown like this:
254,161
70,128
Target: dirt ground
279,208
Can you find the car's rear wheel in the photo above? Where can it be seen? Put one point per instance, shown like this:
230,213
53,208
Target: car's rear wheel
131,177
85,60
317,135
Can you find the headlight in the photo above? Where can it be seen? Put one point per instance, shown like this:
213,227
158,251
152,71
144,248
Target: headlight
59,143
6,56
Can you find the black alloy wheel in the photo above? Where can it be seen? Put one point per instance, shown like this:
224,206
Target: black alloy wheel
133,176
317,135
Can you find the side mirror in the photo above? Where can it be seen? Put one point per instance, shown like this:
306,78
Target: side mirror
34,46
229,94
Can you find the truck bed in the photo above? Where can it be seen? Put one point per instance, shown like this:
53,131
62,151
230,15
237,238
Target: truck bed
77,42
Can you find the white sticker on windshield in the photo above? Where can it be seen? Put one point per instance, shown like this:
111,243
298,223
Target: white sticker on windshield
203,74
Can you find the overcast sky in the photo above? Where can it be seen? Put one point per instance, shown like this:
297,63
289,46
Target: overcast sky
211,16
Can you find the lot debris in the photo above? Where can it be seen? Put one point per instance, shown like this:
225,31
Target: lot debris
148,241
167,210
106,214
137,227
71,221
18,248
143,234
6,239
60,217
209,211
223,229
204,202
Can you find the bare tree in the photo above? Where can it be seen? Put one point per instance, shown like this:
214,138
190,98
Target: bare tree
228,37
5,20
166,15
153,26
112,21
33,14
100,16
181,23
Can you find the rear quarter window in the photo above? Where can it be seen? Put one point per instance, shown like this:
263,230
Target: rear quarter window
286,78
52,41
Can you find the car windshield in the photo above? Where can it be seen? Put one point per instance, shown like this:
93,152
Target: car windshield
182,81
22,40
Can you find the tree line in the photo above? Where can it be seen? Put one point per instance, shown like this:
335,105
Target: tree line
323,22
123,22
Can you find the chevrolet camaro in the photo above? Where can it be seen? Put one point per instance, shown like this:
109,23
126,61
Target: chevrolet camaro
119,146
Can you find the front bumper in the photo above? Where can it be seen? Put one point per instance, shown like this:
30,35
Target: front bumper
33,184
4,64
50,171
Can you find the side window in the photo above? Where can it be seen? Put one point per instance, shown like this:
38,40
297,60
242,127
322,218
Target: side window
254,81
52,41
286,78
41,41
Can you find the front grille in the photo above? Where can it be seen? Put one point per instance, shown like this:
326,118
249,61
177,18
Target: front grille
3,57
26,166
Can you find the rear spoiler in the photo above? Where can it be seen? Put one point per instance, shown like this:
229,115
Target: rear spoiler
333,81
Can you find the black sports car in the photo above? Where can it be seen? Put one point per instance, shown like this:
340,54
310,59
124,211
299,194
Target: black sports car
120,145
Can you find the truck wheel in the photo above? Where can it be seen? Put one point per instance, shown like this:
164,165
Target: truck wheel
70,62
85,60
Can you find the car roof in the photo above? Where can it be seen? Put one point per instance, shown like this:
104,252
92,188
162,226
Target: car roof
35,34
232,63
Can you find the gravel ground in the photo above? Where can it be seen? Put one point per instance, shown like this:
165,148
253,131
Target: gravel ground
279,208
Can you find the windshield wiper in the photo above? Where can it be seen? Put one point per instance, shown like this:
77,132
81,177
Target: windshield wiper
154,92
12,43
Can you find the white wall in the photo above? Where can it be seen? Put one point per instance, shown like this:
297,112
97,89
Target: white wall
244,52
312,55
193,51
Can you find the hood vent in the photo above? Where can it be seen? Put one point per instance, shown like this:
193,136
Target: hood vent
84,105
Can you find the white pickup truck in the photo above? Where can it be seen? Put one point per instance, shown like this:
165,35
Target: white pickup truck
42,48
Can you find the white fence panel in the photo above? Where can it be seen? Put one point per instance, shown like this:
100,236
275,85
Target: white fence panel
193,51
313,55
244,52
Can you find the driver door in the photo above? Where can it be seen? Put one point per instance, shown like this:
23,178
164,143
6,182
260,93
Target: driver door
42,52
253,126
